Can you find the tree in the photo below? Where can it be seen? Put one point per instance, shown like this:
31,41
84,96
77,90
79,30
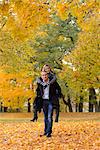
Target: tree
82,65
54,40
15,89
23,17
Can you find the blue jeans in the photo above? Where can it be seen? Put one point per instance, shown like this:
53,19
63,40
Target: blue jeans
48,116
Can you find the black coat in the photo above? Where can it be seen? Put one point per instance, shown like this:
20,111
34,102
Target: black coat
54,93
37,104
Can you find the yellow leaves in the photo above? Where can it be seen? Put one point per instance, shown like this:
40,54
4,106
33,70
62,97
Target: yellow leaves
82,11
4,9
24,17
14,87
29,93
89,24
10,23
62,10
66,135
82,64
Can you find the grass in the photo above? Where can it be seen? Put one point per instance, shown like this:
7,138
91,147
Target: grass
67,117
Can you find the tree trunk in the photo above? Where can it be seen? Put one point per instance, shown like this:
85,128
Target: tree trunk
96,107
90,107
76,108
5,109
69,104
92,98
1,109
29,105
99,107
81,104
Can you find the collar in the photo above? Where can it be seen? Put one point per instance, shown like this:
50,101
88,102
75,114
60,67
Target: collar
46,82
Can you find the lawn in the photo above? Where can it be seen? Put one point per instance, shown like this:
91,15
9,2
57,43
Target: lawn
74,131
20,117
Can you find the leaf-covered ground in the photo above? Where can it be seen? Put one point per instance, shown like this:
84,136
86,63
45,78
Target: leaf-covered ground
67,135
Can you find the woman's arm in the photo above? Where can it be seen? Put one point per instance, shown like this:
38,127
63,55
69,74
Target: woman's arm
53,78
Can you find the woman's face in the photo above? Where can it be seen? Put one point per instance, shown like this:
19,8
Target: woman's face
47,69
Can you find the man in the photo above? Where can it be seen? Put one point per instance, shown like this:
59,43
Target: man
49,96
37,105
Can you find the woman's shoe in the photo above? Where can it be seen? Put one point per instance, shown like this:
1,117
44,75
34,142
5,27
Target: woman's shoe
34,119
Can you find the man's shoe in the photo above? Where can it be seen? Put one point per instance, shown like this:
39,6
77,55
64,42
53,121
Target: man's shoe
48,135
43,134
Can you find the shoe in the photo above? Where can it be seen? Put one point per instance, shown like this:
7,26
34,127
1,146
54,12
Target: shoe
56,120
48,135
34,119
43,134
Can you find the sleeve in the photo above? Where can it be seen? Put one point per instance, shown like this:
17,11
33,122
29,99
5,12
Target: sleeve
58,90
38,92
52,78
39,80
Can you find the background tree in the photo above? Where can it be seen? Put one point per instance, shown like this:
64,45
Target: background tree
82,65
55,40
22,18
22,48
15,89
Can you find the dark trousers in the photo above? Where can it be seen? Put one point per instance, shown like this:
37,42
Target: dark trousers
57,108
48,116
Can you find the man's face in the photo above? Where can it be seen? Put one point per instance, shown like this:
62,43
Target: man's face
44,76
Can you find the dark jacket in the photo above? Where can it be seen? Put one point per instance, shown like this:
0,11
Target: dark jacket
54,92
37,104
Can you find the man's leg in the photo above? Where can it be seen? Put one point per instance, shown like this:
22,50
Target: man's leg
45,110
50,119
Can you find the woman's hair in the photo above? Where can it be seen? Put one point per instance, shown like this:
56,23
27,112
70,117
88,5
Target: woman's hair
46,65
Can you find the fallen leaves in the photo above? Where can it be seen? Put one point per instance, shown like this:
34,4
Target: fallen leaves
66,136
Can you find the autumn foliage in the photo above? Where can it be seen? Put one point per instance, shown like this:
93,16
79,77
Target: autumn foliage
15,89
20,24
81,70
